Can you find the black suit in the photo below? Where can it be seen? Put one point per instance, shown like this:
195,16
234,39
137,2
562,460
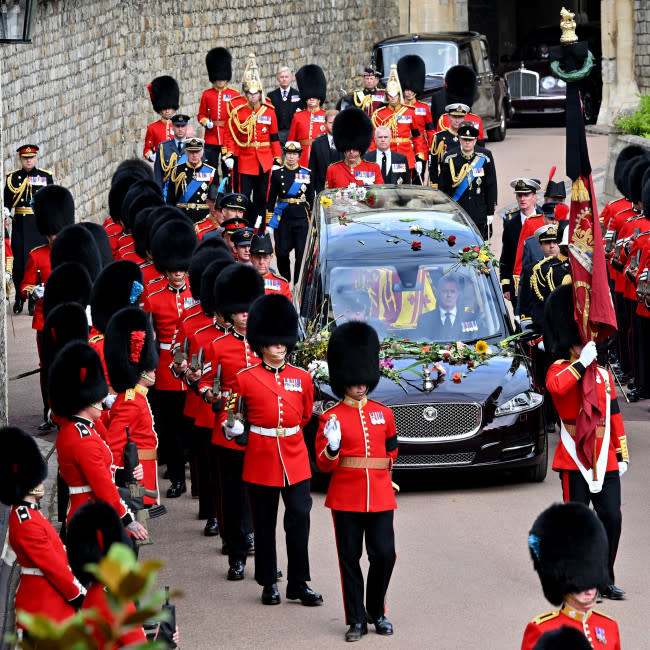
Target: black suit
464,326
284,110
320,158
394,173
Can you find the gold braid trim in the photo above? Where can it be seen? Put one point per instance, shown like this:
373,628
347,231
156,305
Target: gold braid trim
167,167
19,190
246,128
437,149
456,179
391,122
365,103
536,279
178,179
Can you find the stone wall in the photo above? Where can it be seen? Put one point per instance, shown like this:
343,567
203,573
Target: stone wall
79,91
642,49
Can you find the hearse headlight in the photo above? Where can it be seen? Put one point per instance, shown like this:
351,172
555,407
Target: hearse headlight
522,402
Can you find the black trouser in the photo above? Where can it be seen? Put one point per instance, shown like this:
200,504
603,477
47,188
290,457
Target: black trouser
167,407
24,237
264,501
234,513
213,157
290,235
635,348
625,333
205,473
350,528
643,354
257,186
607,504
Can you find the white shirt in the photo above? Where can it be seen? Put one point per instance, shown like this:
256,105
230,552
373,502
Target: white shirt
380,155
452,315
330,140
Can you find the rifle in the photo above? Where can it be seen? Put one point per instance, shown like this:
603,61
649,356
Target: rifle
168,627
242,438
216,389
182,353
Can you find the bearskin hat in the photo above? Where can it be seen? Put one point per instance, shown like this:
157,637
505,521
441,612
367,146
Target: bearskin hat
353,357
218,62
164,93
645,195
76,379
203,256
128,172
53,209
134,167
92,530
142,194
235,289
102,241
560,328
411,72
311,82
140,232
627,154
69,282
635,171
461,84
66,322
172,245
76,244
272,320
212,241
129,347
568,546
22,466
564,638
220,260
119,285
352,129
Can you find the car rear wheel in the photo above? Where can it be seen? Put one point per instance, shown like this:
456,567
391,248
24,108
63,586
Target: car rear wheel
537,473
499,133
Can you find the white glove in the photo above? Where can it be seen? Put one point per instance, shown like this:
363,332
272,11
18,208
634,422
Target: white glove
39,290
209,124
232,432
110,399
622,467
6,212
275,167
517,320
490,219
152,157
418,166
540,345
588,354
332,432
229,162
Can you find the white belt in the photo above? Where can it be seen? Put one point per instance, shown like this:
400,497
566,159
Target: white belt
278,432
28,571
165,346
80,489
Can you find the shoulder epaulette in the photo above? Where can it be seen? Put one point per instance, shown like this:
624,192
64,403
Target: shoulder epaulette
83,430
512,211
547,616
276,275
37,247
560,361
11,172
129,395
23,513
595,611
45,171
306,169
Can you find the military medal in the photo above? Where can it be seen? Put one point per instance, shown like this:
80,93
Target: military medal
377,417
292,385
600,635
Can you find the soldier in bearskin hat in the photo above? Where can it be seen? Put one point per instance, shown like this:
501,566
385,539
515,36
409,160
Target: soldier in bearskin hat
165,99
411,71
590,467
309,121
568,546
277,403
76,244
354,436
47,585
172,247
352,132
77,388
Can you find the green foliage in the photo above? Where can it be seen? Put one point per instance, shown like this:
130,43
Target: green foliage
639,122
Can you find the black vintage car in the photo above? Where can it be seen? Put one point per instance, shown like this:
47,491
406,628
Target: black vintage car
440,52
492,417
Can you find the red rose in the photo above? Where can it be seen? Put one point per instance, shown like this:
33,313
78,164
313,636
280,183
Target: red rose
446,355
476,249
370,200
416,245
451,240
456,377
470,364
466,249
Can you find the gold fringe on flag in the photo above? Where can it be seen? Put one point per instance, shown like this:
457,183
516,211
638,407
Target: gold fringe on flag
579,191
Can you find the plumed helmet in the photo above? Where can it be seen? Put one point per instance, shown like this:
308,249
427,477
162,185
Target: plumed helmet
76,379
76,244
141,194
627,154
311,82
635,171
461,84
352,129
92,530
164,93
564,638
209,277
411,71
172,245
272,320
66,322
568,546
553,188
53,209
119,285
560,328
68,282
129,348
353,357
22,466
102,241
218,61
235,289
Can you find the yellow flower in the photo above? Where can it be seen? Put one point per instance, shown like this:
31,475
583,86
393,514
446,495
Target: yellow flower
325,201
483,257
481,347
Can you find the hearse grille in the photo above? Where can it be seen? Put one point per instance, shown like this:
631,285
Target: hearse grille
434,460
436,421
523,83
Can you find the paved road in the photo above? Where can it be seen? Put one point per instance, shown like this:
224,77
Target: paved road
463,577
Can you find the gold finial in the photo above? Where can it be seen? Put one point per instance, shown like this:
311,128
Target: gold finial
251,81
393,86
568,26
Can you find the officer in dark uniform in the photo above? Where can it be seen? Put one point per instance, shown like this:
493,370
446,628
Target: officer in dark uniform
20,186
189,182
285,100
171,152
370,97
468,176
288,209
446,140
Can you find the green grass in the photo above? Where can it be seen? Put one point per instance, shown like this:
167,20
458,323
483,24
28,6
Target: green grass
639,122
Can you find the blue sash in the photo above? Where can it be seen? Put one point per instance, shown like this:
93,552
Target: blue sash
182,159
464,184
280,206
192,188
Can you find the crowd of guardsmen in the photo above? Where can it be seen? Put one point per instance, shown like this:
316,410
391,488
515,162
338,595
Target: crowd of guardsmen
169,313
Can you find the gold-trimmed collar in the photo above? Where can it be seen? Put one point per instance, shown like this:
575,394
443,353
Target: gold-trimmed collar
139,388
354,403
275,371
575,614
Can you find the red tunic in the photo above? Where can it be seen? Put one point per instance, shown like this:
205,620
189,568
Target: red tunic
157,132
443,123
639,244
563,383
131,409
600,630
276,284
624,224
125,244
113,230
130,255
641,308
528,229
38,546
283,398
215,106
367,431
306,126
204,226
38,266
424,120
341,175
96,342
406,138
252,136
85,461
151,277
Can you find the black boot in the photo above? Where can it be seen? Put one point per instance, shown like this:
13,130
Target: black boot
18,305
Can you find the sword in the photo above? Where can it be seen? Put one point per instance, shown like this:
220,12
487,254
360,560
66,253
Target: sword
25,374
617,380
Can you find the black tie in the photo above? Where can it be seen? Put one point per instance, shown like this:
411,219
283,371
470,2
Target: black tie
180,148
446,321
383,166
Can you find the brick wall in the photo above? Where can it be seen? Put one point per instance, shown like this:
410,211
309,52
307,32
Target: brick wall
79,91
642,44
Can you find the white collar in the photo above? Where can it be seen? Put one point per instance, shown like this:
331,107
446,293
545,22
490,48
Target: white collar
451,312
379,157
